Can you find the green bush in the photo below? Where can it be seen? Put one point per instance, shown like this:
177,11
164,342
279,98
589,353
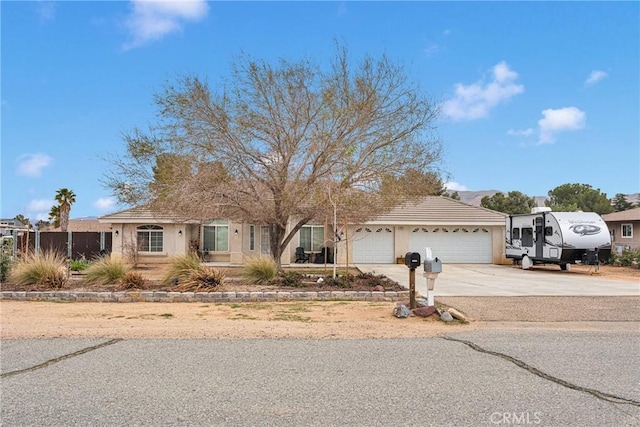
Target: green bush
181,267
290,279
79,265
5,266
629,257
106,271
260,270
47,269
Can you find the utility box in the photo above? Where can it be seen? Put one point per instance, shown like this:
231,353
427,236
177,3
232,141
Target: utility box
412,260
433,265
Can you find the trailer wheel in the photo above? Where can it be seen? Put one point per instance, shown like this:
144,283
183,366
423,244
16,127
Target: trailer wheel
526,263
564,267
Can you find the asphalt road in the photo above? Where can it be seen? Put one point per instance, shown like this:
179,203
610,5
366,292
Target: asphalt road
485,377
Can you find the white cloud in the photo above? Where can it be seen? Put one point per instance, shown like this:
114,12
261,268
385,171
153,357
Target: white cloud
105,204
476,100
454,186
523,132
430,49
595,77
562,119
46,10
40,205
32,164
153,19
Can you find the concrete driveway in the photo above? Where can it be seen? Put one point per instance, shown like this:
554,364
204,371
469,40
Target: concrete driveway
506,280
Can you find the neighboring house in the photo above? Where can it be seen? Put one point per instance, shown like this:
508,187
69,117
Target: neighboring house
624,227
11,227
456,233
84,224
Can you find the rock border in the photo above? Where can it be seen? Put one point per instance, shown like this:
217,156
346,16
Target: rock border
165,296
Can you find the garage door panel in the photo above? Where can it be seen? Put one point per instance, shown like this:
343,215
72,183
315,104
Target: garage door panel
373,245
454,244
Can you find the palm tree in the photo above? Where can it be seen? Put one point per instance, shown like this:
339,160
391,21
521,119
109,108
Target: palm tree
65,199
54,215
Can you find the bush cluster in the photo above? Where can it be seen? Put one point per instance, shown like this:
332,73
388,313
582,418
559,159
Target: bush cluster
628,257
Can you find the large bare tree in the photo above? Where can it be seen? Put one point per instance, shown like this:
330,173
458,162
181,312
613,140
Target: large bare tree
282,144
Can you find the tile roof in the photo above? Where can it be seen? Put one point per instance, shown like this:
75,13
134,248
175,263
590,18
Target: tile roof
440,210
142,214
628,215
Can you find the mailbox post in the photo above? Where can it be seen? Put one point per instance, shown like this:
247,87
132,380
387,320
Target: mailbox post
412,260
432,267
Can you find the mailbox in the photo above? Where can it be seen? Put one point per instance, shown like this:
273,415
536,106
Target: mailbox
412,260
433,265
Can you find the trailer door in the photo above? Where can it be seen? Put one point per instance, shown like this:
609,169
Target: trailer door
539,237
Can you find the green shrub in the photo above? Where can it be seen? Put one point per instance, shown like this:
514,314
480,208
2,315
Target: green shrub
290,279
106,271
47,269
260,270
629,257
79,265
181,268
5,266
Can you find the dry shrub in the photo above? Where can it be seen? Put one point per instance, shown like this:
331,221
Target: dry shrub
106,270
260,270
204,279
181,267
47,269
132,280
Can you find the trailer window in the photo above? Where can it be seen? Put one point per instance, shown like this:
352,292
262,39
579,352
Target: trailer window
515,233
527,237
548,231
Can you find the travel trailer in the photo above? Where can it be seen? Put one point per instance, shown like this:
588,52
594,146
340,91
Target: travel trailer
546,237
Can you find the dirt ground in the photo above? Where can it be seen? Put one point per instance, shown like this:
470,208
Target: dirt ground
304,319
308,319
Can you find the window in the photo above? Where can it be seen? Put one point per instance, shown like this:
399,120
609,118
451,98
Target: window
265,240
150,238
627,230
515,233
252,237
312,237
216,236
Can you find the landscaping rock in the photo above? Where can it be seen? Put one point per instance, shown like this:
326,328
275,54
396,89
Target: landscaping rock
424,311
422,302
446,317
378,288
401,311
456,314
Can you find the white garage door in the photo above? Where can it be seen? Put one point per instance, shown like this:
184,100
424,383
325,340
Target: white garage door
454,244
373,245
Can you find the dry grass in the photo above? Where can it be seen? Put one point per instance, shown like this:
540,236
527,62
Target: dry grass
47,269
106,271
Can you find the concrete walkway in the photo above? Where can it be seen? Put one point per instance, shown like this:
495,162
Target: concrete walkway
506,280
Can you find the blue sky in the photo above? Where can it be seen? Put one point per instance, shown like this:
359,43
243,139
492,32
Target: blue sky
533,94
